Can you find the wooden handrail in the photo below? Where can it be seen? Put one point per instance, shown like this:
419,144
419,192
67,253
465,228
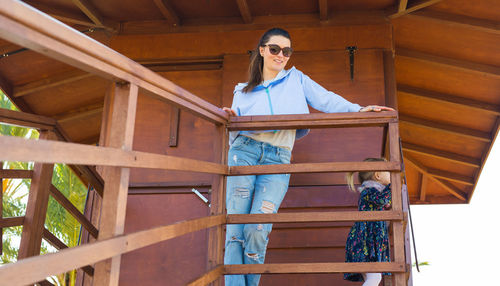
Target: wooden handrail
208,277
27,119
46,151
314,120
343,216
28,271
23,25
333,267
333,167
58,244
16,174
11,221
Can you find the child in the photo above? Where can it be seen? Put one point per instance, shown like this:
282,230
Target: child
368,241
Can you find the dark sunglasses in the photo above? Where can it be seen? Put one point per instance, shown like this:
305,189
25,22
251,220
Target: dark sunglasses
275,50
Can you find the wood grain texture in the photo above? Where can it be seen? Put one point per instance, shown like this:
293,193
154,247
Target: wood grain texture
72,258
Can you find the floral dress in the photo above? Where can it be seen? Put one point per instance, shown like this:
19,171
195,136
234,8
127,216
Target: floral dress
368,241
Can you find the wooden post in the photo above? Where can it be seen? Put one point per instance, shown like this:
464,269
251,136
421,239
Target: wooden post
81,276
216,237
406,211
121,133
36,208
397,226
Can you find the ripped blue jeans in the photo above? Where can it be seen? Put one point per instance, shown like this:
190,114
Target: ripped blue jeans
256,194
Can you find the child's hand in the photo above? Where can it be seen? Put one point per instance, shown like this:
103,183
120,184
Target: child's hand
387,207
229,111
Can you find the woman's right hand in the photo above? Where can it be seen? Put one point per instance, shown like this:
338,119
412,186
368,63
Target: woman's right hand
229,111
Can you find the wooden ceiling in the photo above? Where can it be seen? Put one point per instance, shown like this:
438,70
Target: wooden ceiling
447,68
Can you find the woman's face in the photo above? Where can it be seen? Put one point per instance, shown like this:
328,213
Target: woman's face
277,62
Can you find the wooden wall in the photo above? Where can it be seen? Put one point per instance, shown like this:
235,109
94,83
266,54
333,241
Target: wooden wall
160,197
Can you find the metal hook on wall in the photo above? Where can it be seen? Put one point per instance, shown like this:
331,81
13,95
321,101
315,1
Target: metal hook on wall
351,50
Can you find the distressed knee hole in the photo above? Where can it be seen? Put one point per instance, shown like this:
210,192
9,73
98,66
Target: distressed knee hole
267,207
242,192
235,239
253,256
235,158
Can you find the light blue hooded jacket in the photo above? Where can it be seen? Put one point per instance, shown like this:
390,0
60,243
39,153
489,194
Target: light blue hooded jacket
288,93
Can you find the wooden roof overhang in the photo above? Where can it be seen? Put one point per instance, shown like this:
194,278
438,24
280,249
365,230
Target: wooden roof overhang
447,67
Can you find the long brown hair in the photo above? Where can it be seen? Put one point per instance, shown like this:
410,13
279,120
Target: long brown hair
257,61
363,176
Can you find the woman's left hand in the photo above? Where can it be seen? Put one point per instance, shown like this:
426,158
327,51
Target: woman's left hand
376,108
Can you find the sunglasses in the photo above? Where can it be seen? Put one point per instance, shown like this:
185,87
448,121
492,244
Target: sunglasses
275,50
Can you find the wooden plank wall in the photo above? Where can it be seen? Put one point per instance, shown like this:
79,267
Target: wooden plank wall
161,197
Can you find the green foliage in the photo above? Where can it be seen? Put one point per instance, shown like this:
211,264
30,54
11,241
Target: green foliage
425,263
15,191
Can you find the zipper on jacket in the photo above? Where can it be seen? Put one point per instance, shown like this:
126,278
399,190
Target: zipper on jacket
269,99
270,104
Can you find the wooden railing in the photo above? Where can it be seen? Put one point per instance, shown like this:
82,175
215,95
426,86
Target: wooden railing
28,27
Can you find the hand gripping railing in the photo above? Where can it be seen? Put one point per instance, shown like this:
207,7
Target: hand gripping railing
28,27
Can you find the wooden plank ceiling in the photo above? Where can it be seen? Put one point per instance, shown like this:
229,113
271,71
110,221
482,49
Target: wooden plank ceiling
447,68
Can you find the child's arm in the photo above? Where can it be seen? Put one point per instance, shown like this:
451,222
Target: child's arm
382,198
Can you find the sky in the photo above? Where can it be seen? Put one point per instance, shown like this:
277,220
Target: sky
461,242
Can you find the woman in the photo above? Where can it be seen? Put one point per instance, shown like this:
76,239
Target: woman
270,90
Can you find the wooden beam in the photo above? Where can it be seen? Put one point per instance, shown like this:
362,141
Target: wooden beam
27,119
482,69
244,11
459,21
446,128
323,10
315,120
448,187
449,176
90,10
226,24
5,85
59,245
11,221
391,98
20,149
402,5
69,46
423,186
332,267
15,174
50,82
68,205
80,113
36,208
208,277
123,110
216,235
415,6
174,126
397,227
28,271
442,155
494,134
168,12
315,217
70,17
442,98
